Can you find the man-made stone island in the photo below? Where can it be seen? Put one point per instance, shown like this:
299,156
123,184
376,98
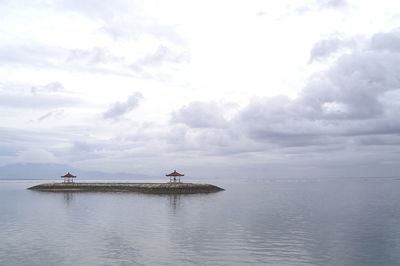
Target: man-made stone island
153,188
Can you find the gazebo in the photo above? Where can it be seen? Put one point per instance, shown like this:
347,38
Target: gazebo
175,177
68,178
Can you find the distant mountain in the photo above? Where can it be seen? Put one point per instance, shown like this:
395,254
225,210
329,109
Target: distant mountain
54,171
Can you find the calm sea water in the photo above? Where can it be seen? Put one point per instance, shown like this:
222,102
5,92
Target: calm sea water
257,222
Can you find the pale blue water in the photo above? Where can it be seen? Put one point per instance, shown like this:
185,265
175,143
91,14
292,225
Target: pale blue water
255,222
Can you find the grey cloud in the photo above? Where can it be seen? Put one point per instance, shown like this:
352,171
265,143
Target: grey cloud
353,103
352,106
355,82
335,44
162,55
47,115
349,99
377,140
94,56
52,114
386,41
201,115
120,108
276,117
51,87
324,48
96,60
207,141
149,66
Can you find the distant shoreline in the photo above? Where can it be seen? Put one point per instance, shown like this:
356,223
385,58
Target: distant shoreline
151,188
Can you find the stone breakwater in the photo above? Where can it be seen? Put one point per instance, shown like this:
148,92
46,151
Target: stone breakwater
152,188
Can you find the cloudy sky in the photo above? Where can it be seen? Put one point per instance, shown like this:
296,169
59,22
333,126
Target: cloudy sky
211,88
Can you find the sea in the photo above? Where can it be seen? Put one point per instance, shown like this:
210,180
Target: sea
267,221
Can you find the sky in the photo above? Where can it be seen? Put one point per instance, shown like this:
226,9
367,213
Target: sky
209,88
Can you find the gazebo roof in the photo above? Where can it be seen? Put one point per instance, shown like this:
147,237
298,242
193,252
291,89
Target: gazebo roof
174,173
69,175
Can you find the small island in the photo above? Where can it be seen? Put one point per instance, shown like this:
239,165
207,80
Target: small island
174,186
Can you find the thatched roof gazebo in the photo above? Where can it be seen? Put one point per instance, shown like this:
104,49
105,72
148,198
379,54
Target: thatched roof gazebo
175,177
68,178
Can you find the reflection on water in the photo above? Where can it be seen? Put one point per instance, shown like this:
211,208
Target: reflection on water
174,201
68,197
267,222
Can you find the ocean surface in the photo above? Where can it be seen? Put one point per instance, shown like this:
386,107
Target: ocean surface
272,221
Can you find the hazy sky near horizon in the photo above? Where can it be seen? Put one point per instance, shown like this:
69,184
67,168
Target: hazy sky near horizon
211,88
